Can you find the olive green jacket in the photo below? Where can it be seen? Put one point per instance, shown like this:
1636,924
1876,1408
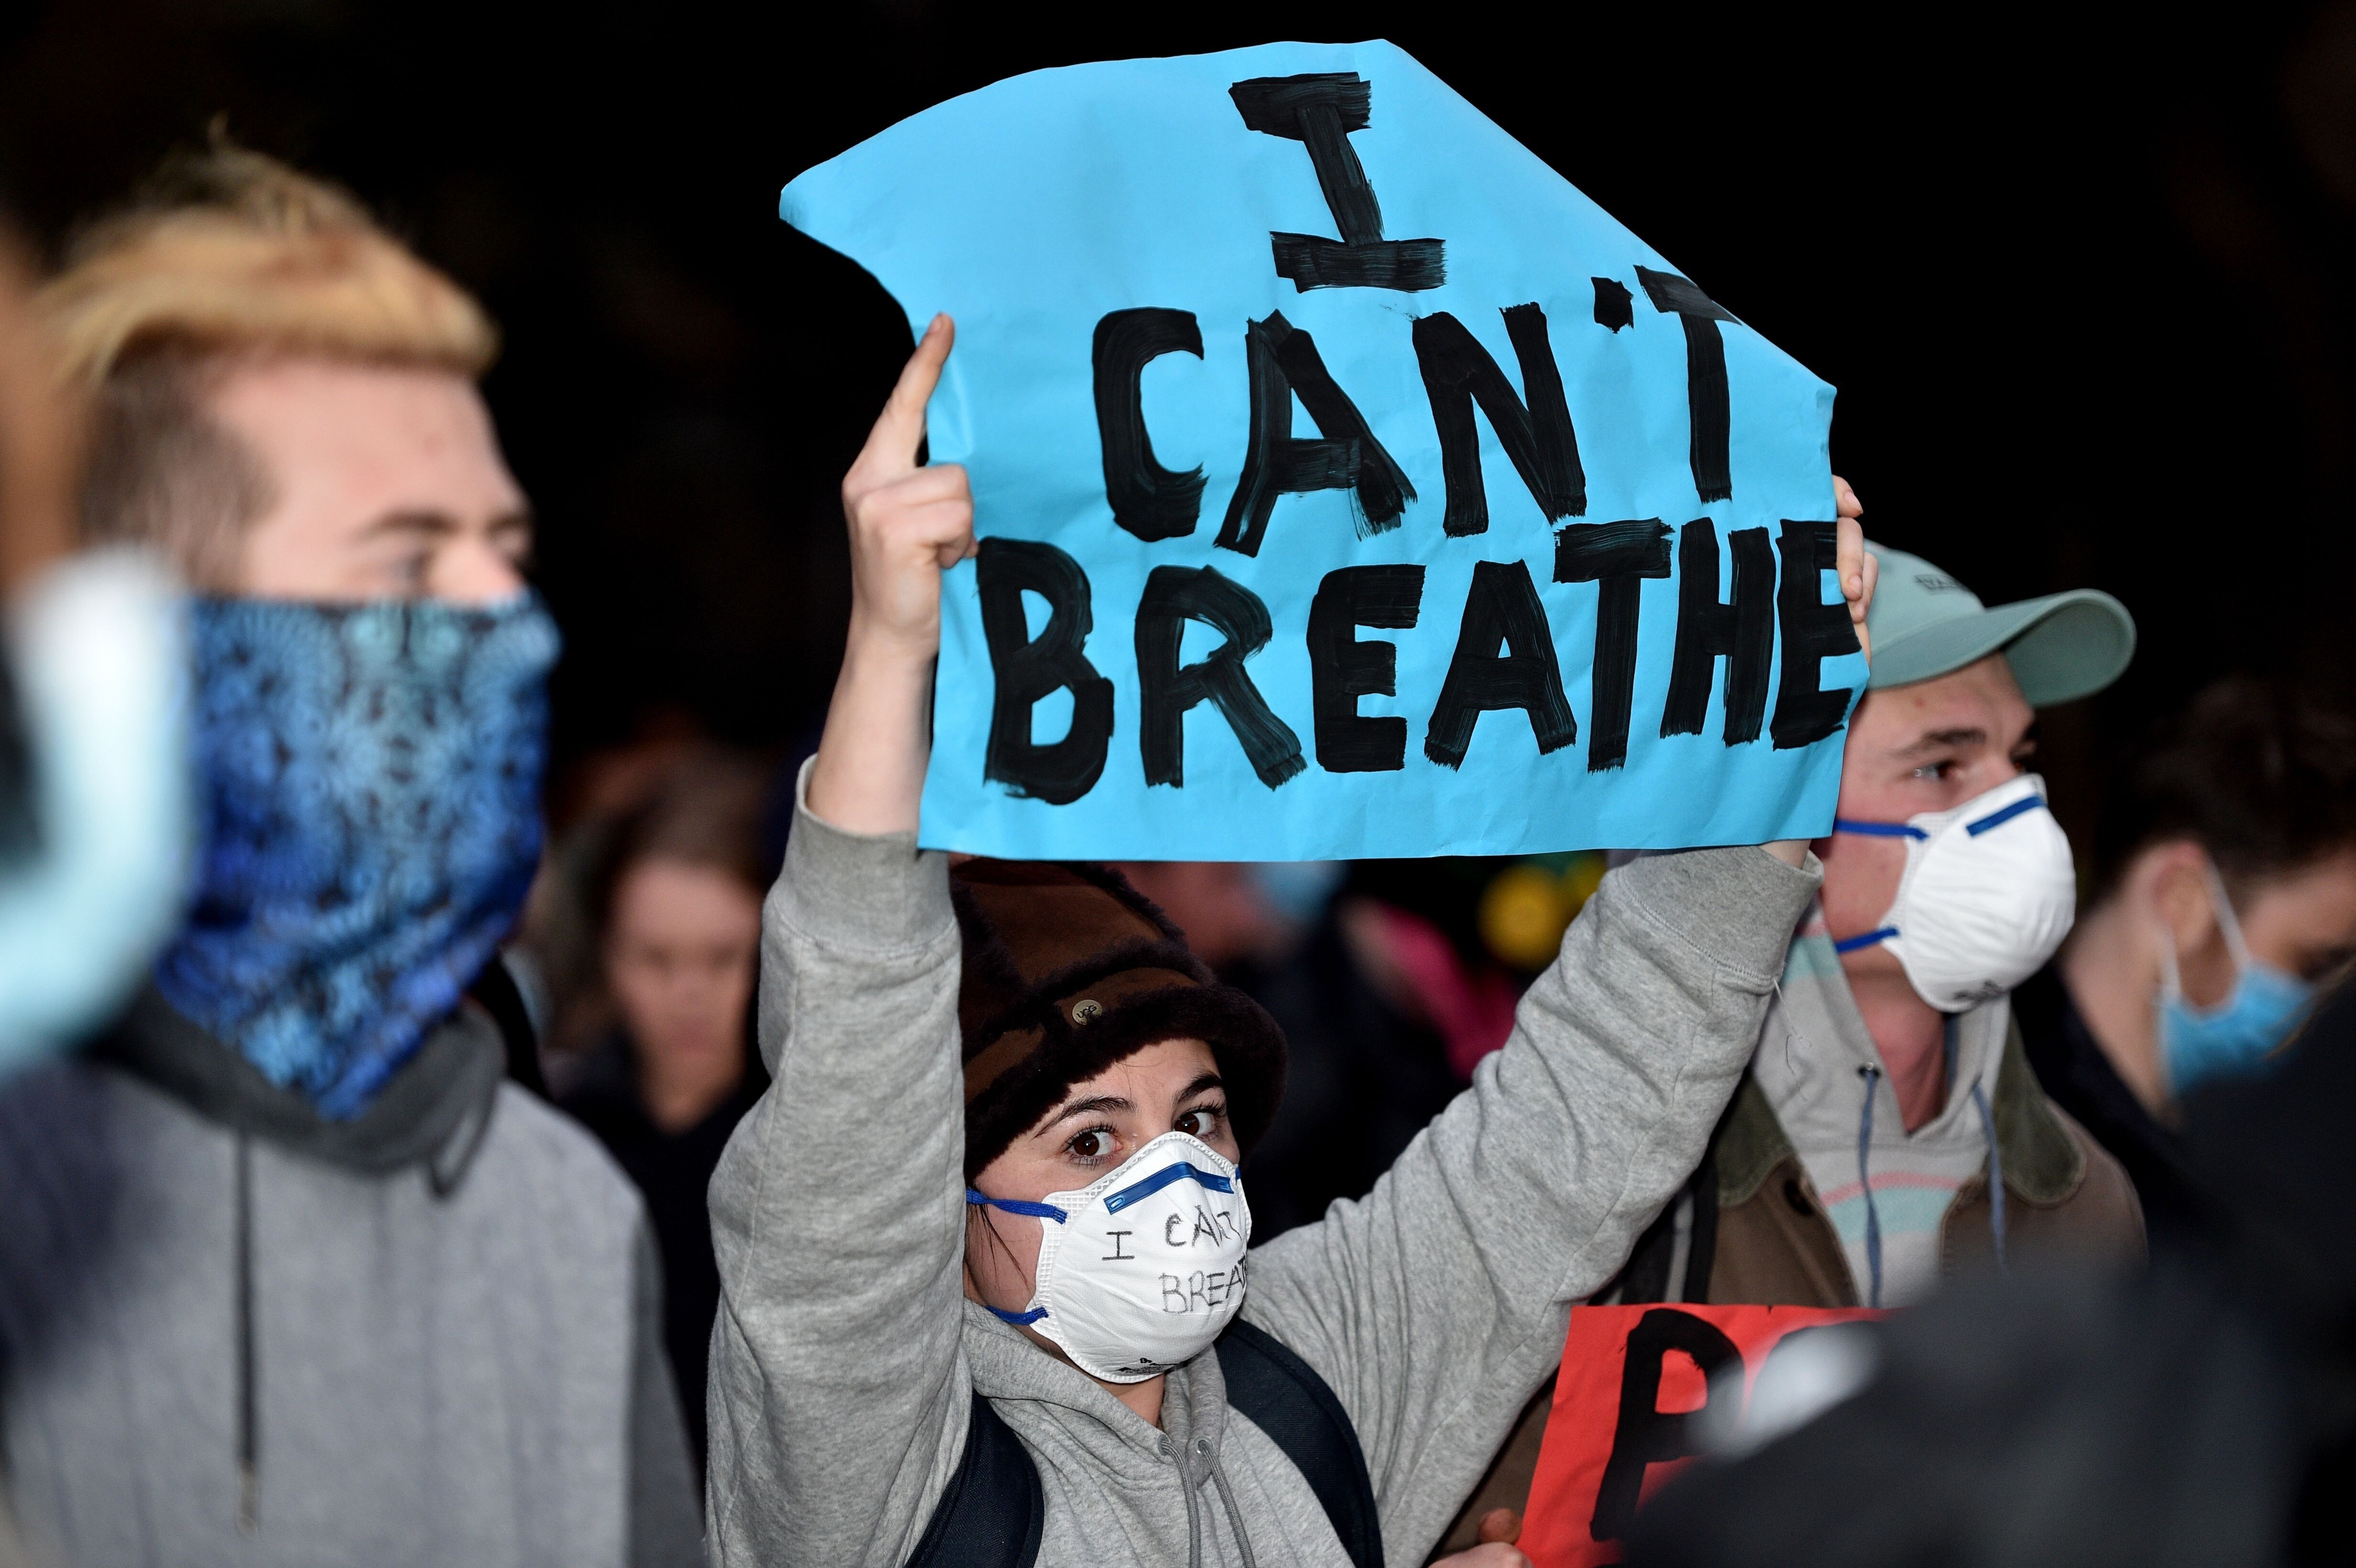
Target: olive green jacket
1749,1228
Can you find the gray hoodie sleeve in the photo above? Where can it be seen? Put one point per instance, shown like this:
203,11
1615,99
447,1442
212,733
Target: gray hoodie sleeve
839,1396
1437,1304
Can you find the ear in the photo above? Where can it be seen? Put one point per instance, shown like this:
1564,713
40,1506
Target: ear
2174,880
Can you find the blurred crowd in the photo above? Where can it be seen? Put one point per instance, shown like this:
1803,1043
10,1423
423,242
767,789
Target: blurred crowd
369,1084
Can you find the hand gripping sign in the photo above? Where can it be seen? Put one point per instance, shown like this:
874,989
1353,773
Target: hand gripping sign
1635,1384
1348,484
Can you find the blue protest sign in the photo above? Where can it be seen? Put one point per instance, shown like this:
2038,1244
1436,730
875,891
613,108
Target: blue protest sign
1349,484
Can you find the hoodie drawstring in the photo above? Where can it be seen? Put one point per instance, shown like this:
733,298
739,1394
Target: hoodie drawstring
1234,1514
1189,1480
1194,1510
1994,1177
1873,1075
249,1422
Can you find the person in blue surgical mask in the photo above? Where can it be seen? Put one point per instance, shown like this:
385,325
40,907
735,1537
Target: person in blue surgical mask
288,1273
1889,1130
2225,898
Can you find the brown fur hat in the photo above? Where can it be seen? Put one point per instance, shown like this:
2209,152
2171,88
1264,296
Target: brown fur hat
1068,970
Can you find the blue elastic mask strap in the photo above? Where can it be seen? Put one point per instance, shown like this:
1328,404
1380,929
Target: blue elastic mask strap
1015,1206
1020,1319
1137,1191
1998,818
1864,829
1878,830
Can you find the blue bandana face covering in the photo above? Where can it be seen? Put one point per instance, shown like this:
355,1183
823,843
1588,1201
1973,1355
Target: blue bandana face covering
371,824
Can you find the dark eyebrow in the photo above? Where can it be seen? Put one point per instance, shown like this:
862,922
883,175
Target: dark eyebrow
413,521
1945,741
1207,1081
1115,1103
421,521
1093,1103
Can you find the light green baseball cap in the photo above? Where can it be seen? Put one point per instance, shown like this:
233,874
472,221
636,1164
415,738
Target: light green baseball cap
1926,623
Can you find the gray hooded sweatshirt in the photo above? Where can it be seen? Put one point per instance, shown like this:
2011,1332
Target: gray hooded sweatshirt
845,1356
234,1332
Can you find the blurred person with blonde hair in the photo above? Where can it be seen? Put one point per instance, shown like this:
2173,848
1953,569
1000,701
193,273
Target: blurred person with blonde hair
287,1272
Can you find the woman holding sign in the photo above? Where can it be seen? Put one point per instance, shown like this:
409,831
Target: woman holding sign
985,1292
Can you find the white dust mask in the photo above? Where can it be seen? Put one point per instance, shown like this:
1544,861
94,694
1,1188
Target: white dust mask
1140,1270
1987,895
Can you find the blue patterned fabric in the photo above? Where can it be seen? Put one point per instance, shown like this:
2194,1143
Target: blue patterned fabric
371,777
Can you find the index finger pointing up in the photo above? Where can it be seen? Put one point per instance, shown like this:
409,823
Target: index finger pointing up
900,427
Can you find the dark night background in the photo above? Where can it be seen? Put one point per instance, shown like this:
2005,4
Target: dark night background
2080,277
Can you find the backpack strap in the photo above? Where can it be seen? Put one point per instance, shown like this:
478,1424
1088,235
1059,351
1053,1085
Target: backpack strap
1285,1398
991,1514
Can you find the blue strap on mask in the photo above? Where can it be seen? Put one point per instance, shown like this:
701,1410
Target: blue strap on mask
1876,829
1851,944
1993,819
1865,829
1872,830
1015,1206
1180,1171
1998,818
1020,1319
977,1199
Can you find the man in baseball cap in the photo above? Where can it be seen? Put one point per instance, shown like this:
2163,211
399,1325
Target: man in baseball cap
2058,648
1889,1128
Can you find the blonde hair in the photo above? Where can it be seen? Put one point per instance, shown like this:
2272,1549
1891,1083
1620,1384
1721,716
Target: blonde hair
229,254
233,252
41,431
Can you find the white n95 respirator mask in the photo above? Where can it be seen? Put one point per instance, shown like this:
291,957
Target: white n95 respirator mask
1143,1268
1988,893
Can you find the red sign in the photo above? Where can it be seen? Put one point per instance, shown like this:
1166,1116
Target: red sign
1632,1379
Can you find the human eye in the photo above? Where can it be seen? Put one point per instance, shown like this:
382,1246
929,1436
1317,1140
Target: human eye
1202,1121
1092,1145
1939,772
514,544
411,571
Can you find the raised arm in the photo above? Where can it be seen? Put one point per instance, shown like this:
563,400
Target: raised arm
908,525
839,1399
1436,1306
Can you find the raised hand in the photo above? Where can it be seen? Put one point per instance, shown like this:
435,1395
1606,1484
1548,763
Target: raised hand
1857,571
908,523
1856,567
